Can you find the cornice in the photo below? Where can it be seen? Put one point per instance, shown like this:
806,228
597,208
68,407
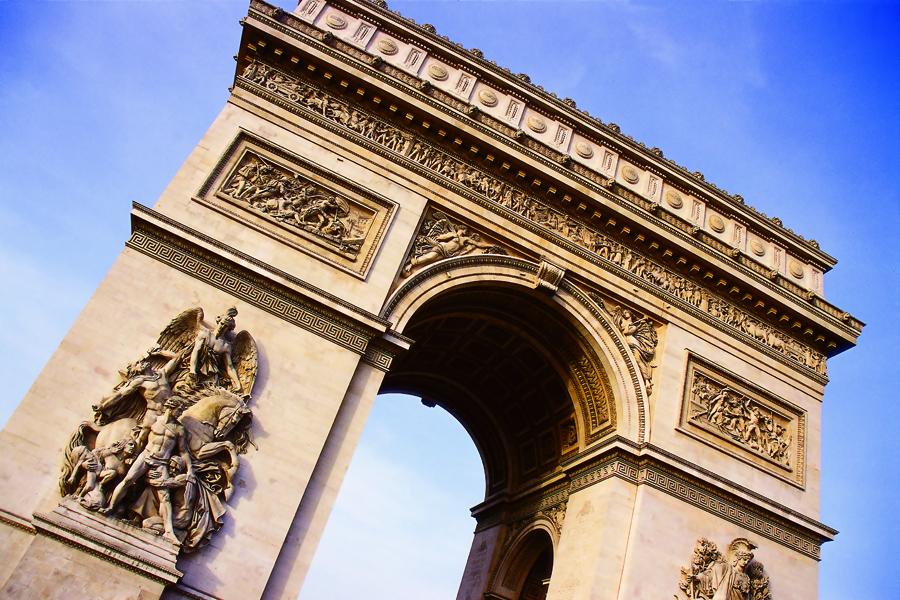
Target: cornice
566,111
332,125
803,537
646,464
772,283
265,287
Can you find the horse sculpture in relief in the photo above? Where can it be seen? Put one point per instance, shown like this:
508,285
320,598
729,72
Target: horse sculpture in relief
163,448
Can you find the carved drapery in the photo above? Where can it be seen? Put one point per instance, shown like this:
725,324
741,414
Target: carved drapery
640,334
162,450
734,575
440,237
300,203
528,206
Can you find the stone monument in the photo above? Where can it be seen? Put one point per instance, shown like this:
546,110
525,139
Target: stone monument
639,356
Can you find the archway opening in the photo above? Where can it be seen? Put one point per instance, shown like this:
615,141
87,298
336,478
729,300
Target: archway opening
400,526
526,574
514,370
505,363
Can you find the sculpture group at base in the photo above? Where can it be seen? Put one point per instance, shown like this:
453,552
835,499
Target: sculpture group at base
734,576
162,450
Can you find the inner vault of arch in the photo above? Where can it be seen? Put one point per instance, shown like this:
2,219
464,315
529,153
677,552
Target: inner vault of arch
513,370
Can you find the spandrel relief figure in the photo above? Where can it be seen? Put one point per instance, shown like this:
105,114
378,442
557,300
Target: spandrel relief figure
163,448
639,333
439,238
733,576
641,337
293,201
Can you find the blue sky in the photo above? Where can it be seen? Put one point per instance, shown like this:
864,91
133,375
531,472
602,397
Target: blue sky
794,105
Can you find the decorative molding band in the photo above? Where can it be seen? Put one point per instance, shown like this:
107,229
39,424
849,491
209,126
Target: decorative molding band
380,354
646,471
145,214
14,520
116,548
595,391
607,322
394,45
456,263
569,165
525,210
250,287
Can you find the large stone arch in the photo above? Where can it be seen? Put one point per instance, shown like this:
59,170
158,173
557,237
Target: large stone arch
610,358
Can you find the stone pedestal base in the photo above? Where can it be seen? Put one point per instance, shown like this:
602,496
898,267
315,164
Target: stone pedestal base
113,540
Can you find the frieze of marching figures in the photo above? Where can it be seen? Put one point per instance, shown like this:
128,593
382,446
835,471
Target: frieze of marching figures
750,422
298,203
527,205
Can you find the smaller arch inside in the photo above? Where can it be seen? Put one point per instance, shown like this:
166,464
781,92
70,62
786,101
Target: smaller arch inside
525,572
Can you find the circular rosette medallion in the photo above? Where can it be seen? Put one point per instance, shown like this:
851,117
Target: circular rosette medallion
387,46
336,21
536,124
584,150
487,97
630,174
674,199
716,223
438,72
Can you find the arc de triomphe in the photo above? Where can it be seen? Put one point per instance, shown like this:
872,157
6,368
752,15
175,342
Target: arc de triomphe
638,356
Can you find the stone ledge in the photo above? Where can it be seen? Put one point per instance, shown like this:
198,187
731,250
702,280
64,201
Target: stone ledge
130,546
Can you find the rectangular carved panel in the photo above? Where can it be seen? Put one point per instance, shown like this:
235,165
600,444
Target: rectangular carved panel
739,418
298,203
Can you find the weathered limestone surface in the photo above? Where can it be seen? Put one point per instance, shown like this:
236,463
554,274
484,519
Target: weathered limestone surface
585,568
53,570
387,212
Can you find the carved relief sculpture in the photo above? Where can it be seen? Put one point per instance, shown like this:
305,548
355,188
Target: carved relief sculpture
733,576
640,335
299,203
440,238
163,448
530,207
740,418
759,425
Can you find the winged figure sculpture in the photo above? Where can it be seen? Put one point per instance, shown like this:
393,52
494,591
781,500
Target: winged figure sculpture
163,448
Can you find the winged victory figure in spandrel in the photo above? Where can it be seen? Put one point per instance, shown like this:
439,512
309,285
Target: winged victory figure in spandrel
163,448
439,238
641,337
